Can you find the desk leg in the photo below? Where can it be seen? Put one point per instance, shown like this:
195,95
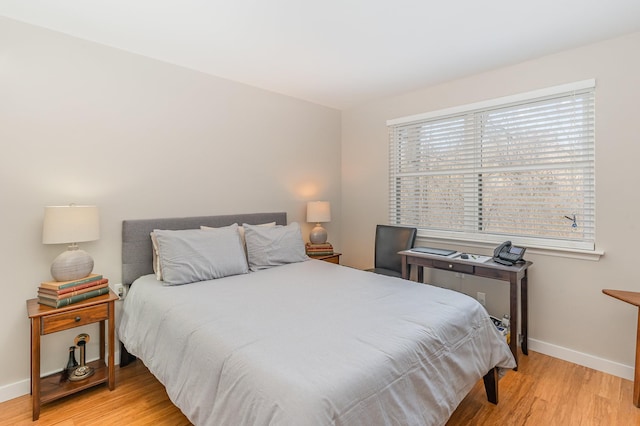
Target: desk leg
524,309
636,374
405,268
513,313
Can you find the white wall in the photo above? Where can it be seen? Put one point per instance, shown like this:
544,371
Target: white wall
569,316
84,123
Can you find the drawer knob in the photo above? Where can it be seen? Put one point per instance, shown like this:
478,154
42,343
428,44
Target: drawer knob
450,266
77,319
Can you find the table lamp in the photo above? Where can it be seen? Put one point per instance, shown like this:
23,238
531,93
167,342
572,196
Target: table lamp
71,225
318,212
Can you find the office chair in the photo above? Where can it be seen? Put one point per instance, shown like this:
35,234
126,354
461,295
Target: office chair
389,241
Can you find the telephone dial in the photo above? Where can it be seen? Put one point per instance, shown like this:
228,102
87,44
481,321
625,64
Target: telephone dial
508,254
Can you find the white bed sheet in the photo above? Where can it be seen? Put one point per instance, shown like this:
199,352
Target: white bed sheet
311,343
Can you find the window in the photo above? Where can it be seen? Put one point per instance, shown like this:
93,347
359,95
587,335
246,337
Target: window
519,168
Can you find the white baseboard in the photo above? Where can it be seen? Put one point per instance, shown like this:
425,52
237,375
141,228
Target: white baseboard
586,360
23,387
15,390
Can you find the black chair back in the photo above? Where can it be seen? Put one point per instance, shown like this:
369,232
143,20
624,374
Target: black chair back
389,241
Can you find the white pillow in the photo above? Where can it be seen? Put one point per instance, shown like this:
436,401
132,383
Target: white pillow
157,268
193,255
274,246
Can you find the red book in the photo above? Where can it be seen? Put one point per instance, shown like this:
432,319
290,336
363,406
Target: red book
52,294
75,288
58,285
57,303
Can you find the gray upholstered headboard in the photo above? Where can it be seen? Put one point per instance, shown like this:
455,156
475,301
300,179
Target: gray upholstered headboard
136,242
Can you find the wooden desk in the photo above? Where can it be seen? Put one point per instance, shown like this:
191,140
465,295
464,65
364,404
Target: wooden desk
515,275
633,298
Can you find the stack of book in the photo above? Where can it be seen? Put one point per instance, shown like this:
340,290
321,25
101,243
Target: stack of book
323,249
62,293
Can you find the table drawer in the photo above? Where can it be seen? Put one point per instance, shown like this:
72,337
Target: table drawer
455,267
65,320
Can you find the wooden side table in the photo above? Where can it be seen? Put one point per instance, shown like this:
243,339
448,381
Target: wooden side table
45,320
633,298
331,258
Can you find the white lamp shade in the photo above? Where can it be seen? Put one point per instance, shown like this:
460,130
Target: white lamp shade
318,211
70,224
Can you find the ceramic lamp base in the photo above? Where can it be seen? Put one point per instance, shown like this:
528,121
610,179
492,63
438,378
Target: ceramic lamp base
72,264
318,235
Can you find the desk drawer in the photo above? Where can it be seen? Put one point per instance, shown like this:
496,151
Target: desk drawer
455,267
65,320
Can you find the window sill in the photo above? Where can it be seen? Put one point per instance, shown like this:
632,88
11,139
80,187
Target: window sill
591,255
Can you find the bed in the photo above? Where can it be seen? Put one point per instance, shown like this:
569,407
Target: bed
304,342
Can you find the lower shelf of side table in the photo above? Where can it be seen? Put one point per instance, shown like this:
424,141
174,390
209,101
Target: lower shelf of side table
51,388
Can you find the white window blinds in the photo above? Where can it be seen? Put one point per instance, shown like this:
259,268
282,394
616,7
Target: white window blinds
519,168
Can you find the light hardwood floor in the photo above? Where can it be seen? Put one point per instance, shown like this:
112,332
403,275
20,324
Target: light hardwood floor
545,391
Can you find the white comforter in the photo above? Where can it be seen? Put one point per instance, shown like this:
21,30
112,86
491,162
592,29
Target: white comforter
311,343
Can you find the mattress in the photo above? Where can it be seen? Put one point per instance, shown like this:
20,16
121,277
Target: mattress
311,343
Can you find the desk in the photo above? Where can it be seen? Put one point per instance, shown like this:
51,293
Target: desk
633,298
515,275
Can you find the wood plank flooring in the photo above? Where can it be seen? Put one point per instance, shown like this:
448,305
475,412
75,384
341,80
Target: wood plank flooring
548,391
545,391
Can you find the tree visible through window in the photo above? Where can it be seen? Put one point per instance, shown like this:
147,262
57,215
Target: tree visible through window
518,168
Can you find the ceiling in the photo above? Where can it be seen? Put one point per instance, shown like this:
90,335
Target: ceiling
338,53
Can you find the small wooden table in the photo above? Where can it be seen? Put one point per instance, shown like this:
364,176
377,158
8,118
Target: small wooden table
633,298
515,275
45,320
331,258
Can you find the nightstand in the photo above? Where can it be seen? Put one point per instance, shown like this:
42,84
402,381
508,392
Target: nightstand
331,258
45,320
